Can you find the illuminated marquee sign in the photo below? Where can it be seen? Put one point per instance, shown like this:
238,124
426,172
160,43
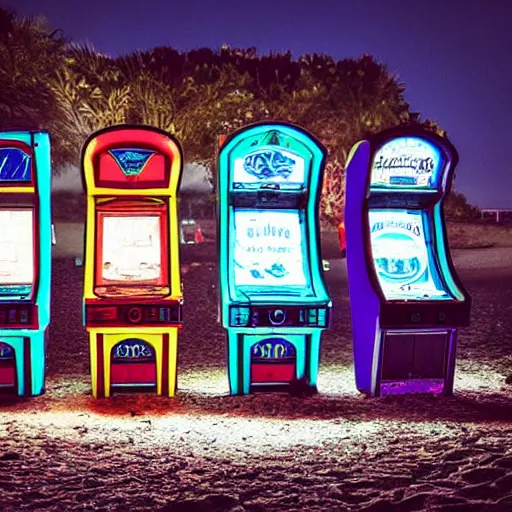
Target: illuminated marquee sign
133,348
269,166
407,162
128,168
268,248
132,161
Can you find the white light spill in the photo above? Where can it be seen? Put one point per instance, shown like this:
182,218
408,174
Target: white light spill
333,379
231,435
242,427
484,378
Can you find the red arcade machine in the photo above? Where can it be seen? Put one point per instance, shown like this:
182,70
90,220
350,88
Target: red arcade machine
132,286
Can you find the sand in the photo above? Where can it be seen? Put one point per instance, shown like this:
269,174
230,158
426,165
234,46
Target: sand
206,451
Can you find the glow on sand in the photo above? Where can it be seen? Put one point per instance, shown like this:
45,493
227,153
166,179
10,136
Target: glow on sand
234,427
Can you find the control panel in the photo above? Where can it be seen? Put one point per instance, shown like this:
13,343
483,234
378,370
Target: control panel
279,316
133,314
18,316
424,314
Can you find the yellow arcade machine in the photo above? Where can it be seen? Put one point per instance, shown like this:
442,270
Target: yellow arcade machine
132,285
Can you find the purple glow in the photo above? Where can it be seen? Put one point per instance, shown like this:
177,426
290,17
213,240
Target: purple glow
409,386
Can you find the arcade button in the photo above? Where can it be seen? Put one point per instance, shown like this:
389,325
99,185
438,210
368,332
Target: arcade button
165,314
416,318
277,317
255,318
23,316
134,315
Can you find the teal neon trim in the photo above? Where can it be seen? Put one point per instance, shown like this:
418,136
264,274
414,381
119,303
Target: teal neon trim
251,338
259,138
14,338
233,361
268,140
40,143
44,181
403,190
16,343
442,253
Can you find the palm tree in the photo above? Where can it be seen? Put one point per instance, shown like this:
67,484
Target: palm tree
29,53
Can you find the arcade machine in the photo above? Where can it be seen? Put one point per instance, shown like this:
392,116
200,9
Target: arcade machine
273,300
132,285
406,299
25,260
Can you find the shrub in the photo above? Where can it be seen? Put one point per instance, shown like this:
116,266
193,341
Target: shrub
457,207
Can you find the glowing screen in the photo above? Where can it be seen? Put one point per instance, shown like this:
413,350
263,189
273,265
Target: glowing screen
270,166
401,256
407,162
16,248
131,249
268,248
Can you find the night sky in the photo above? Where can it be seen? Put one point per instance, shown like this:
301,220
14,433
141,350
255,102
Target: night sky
453,55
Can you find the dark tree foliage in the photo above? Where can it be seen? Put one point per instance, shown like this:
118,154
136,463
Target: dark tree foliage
29,56
196,95
6,25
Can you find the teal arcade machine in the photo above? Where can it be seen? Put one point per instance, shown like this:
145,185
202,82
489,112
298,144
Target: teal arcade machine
25,260
273,299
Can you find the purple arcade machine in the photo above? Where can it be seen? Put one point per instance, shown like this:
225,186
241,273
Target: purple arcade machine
406,299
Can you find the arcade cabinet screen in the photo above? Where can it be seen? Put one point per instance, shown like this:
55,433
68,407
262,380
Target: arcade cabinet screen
269,249
407,162
271,167
404,258
16,253
131,250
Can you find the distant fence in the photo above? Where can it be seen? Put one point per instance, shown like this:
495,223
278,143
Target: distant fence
497,215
